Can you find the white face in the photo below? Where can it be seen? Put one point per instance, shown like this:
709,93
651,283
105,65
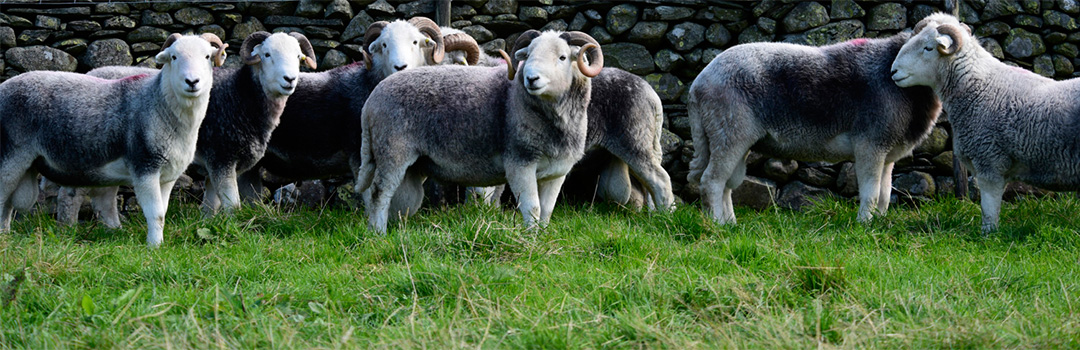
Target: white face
549,66
187,67
919,59
400,46
280,57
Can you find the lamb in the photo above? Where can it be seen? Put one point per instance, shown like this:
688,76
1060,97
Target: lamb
79,130
625,120
1008,124
322,119
827,103
472,126
244,109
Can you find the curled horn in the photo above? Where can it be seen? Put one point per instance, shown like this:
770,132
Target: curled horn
522,42
464,42
955,33
172,38
215,41
431,30
509,65
249,44
305,47
371,34
588,45
919,27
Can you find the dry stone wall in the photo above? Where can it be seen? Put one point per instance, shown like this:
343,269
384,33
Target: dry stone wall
666,42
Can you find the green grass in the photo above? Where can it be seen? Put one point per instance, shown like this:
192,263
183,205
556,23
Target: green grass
597,277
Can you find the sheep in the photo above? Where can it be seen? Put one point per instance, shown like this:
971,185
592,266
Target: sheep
245,106
1008,124
79,130
473,126
829,103
322,119
625,118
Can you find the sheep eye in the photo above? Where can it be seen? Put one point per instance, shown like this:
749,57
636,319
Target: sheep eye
414,42
384,45
207,56
928,49
562,58
174,57
267,54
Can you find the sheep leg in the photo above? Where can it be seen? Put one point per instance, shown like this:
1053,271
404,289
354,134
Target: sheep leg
148,191
250,185
548,194
383,188
484,195
991,189
68,202
614,184
885,188
658,184
733,182
166,192
211,201
868,171
226,190
103,200
522,181
10,177
409,195
723,173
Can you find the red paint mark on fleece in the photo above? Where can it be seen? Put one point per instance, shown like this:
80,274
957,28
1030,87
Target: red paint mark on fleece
133,77
859,41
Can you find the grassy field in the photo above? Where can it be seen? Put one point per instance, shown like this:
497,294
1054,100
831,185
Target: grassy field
597,277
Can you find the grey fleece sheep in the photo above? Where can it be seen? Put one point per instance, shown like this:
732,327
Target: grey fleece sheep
625,120
473,126
79,130
827,103
1008,124
244,109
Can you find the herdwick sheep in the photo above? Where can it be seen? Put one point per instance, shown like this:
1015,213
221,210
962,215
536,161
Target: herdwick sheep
829,103
245,106
79,130
320,125
472,126
625,120
1008,124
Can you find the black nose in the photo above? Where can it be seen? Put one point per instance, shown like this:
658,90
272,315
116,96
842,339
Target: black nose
191,82
532,79
401,67
290,79
893,71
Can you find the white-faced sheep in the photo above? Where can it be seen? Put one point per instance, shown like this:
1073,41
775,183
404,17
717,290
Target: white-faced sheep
79,130
1008,124
472,126
827,103
245,106
320,126
625,119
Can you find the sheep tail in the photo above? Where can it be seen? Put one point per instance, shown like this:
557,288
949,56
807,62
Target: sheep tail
366,173
701,143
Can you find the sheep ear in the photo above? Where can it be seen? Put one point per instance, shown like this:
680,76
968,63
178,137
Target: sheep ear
163,57
943,42
428,43
374,47
522,54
